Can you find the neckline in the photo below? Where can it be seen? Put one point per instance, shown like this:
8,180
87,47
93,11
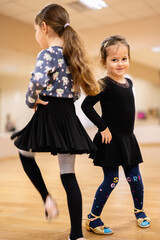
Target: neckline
123,85
55,46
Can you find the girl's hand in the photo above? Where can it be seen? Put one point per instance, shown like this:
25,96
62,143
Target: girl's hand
39,101
106,136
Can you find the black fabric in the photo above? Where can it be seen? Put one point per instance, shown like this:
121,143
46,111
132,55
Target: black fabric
33,172
118,114
74,200
122,150
117,104
55,128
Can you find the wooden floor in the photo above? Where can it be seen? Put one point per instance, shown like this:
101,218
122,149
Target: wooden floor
22,213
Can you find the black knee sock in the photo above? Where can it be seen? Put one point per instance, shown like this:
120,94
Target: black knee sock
74,204
33,172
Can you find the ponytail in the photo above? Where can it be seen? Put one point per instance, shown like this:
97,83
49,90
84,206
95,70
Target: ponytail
57,18
74,53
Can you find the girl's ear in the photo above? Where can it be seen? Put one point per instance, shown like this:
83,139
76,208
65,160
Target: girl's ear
44,27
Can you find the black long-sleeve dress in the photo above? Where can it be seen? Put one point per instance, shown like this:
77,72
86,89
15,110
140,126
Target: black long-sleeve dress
118,114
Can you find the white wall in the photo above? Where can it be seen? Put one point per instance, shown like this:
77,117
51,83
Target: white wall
12,101
147,94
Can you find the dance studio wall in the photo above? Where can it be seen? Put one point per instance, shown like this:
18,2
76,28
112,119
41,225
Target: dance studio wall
13,90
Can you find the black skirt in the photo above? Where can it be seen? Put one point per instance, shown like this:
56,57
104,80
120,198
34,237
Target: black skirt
54,128
122,150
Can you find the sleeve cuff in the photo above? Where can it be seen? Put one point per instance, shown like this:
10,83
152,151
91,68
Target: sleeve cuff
30,105
102,126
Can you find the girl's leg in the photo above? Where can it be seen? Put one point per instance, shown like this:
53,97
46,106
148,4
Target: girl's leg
74,199
134,179
33,172
102,194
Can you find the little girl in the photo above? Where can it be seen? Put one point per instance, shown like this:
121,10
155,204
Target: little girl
115,139
61,69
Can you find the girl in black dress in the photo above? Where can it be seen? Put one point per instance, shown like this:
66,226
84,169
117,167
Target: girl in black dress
61,69
115,139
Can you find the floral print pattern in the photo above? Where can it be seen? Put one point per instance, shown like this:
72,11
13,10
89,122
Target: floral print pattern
51,77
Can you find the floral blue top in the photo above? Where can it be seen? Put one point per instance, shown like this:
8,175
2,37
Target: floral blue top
51,77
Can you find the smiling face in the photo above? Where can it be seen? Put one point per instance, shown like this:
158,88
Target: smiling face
117,61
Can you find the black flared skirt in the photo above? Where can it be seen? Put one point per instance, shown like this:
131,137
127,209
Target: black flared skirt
122,150
54,128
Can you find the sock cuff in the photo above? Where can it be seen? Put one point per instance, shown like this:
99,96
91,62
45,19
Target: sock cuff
65,175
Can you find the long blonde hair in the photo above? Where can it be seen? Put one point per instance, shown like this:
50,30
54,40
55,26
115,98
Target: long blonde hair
57,18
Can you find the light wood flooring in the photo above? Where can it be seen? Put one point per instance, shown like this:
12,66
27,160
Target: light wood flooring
22,212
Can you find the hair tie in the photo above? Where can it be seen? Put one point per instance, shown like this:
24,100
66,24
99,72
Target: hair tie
105,44
65,25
